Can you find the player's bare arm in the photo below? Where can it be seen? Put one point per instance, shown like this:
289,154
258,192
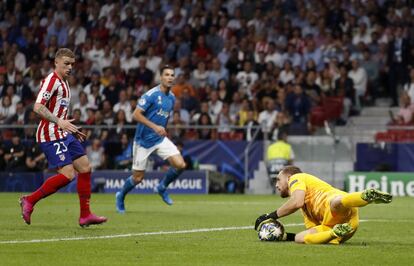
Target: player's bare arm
140,118
66,125
295,202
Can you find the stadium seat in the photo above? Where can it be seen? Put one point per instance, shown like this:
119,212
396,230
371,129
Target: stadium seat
332,107
237,136
191,135
317,117
224,136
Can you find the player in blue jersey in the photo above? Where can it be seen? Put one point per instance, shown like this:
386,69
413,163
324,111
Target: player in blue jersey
152,113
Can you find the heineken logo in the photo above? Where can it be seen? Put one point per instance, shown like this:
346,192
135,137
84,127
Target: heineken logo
397,184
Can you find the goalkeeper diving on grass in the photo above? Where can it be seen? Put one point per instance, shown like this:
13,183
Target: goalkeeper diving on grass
331,215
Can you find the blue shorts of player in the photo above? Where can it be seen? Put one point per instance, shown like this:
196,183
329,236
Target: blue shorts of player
63,151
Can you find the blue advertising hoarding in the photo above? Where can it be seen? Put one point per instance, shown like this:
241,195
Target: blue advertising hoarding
189,182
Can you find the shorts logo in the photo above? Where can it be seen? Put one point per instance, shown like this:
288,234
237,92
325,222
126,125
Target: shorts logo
46,95
293,182
62,157
142,102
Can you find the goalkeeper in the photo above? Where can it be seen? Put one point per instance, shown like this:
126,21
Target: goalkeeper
331,215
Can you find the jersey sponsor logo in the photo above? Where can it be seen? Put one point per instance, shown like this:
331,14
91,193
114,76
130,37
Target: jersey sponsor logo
293,182
163,113
142,102
46,95
64,102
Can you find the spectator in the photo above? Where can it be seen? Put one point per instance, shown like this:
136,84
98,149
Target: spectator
224,92
183,113
247,78
251,126
214,105
217,73
78,31
287,75
19,117
214,41
15,156
99,131
224,120
274,55
177,49
189,102
144,75
35,159
267,117
360,80
279,154
120,124
298,106
207,132
82,106
3,85
19,58
7,110
181,84
176,130
129,61
22,90
153,61
312,89
202,52
96,155
409,87
311,52
124,105
124,160
235,105
200,75
108,113
405,114
106,59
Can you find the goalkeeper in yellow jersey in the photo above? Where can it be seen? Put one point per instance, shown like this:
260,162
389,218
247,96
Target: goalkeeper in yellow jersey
331,215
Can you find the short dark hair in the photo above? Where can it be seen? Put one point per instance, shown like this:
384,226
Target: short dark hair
282,132
166,67
291,170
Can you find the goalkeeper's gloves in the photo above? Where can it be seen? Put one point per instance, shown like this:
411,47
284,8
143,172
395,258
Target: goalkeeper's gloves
265,218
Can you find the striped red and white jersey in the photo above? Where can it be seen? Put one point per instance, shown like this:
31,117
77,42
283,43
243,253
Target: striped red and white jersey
54,93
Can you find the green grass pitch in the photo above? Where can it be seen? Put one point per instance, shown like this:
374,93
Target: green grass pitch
385,238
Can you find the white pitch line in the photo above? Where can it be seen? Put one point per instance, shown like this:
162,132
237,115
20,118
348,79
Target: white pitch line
199,230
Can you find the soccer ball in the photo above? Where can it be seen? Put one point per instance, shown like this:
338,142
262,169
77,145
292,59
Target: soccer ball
271,231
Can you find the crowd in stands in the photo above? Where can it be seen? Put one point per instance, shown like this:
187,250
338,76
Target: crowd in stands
237,63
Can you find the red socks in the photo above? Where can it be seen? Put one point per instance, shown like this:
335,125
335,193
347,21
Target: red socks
84,192
50,186
54,183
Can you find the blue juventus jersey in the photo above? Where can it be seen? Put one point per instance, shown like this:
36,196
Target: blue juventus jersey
156,107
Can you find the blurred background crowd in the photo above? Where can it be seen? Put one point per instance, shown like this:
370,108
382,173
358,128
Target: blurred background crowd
246,64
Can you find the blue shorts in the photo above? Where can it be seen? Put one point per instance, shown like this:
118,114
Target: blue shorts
62,152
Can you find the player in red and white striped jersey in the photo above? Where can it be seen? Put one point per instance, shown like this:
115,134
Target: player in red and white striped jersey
55,95
60,141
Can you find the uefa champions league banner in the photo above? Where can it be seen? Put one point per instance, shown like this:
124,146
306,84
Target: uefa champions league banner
189,182
397,184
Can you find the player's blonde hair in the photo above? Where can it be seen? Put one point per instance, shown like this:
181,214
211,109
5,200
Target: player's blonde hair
290,170
64,52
